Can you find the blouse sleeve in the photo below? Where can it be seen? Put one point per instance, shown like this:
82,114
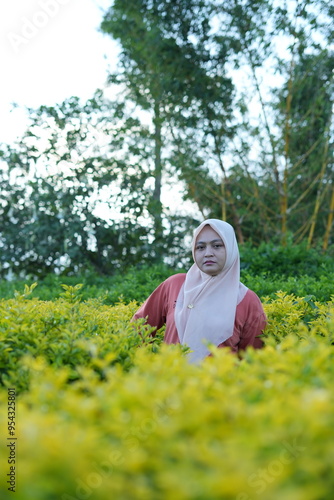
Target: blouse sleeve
251,335
154,309
254,325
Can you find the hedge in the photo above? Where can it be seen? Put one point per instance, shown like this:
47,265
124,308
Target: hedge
137,284
103,413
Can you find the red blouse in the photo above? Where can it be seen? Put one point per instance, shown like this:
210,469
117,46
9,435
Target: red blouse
250,319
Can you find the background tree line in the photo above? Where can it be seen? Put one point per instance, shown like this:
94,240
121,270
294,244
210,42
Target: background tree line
229,102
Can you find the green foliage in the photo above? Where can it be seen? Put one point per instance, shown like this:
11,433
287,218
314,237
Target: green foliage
49,221
302,317
265,284
134,284
289,260
305,105
188,74
186,93
293,269
65,332
152,424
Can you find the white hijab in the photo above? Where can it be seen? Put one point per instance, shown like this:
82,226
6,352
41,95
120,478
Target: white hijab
206,305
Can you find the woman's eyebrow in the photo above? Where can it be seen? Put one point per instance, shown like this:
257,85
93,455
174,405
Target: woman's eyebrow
213,241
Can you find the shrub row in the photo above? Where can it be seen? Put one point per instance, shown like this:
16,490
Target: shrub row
72,333
153,426
266,285
65,332
289,260
137,284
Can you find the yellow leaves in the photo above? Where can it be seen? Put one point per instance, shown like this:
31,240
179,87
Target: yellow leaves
27,291
104,416
303,317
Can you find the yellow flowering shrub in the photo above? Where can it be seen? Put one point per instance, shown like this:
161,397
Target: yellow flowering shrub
65,332
289,314
152,426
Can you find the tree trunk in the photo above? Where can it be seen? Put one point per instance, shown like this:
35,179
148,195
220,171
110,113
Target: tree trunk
329,222
156,202
319,194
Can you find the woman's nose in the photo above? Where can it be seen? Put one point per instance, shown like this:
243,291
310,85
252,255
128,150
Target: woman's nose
208,251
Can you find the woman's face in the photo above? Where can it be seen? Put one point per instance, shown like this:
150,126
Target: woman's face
210,252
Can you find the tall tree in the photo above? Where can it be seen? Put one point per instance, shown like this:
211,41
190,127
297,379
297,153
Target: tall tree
71,199
192,104
271,166
306,110
166,68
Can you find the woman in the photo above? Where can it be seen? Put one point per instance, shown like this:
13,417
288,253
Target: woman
208,304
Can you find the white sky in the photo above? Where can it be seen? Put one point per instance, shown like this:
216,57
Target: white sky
49,50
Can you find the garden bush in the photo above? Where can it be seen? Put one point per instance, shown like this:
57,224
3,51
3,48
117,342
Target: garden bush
266,269
65,332
256,428
320,287
105,413
137,284
290,260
